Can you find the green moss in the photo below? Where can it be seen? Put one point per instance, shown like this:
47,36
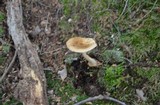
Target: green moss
1,31
149,73
5,48
153,83
65,90
2,17
145,41
12,101
113,77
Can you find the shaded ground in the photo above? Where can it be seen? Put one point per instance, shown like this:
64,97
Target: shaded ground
128,47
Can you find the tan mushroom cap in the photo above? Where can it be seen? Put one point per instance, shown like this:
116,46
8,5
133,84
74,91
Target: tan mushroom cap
80,44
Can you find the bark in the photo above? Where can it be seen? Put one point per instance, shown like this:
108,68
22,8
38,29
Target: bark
31,89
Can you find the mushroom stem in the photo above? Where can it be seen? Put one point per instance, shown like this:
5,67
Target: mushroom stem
91,61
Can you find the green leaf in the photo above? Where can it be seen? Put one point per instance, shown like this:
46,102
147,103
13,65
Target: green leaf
2,59
1,31
2,16
5,48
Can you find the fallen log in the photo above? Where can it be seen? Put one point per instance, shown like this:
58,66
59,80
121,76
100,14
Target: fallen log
31,89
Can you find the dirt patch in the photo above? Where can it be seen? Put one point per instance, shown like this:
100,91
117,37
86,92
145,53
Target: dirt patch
41,23
86,77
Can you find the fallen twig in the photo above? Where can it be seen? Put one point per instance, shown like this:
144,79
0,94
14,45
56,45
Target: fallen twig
139,20
145,64
130,62
100,97
9,67
53,51
124,9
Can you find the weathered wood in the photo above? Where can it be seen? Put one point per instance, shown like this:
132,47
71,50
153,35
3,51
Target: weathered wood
31,89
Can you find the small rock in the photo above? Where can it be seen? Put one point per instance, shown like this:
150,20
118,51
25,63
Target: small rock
34,10
50,91
63,73
44,23
48,30
140,93
69,20
36,31
73,98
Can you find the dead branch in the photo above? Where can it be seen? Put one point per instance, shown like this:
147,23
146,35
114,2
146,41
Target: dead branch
145,64
31,89
9,67
100,97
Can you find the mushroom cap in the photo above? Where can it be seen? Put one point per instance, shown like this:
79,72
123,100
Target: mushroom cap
80,44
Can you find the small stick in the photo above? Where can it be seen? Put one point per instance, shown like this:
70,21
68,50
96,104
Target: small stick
46,27
124,9
139,20
9,67
100,97
130,62
145,64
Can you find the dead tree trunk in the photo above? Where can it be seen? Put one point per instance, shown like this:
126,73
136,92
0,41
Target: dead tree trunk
31,89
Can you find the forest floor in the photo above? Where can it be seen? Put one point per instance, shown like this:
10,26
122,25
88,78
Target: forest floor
128,37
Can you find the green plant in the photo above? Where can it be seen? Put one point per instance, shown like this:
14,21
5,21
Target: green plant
152,74
1,31
65,90
2,16
11,101
144,41
113,76
2,59
5,48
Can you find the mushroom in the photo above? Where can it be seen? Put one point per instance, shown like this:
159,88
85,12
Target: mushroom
83,45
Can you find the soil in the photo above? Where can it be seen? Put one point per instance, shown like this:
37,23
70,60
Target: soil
86,77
